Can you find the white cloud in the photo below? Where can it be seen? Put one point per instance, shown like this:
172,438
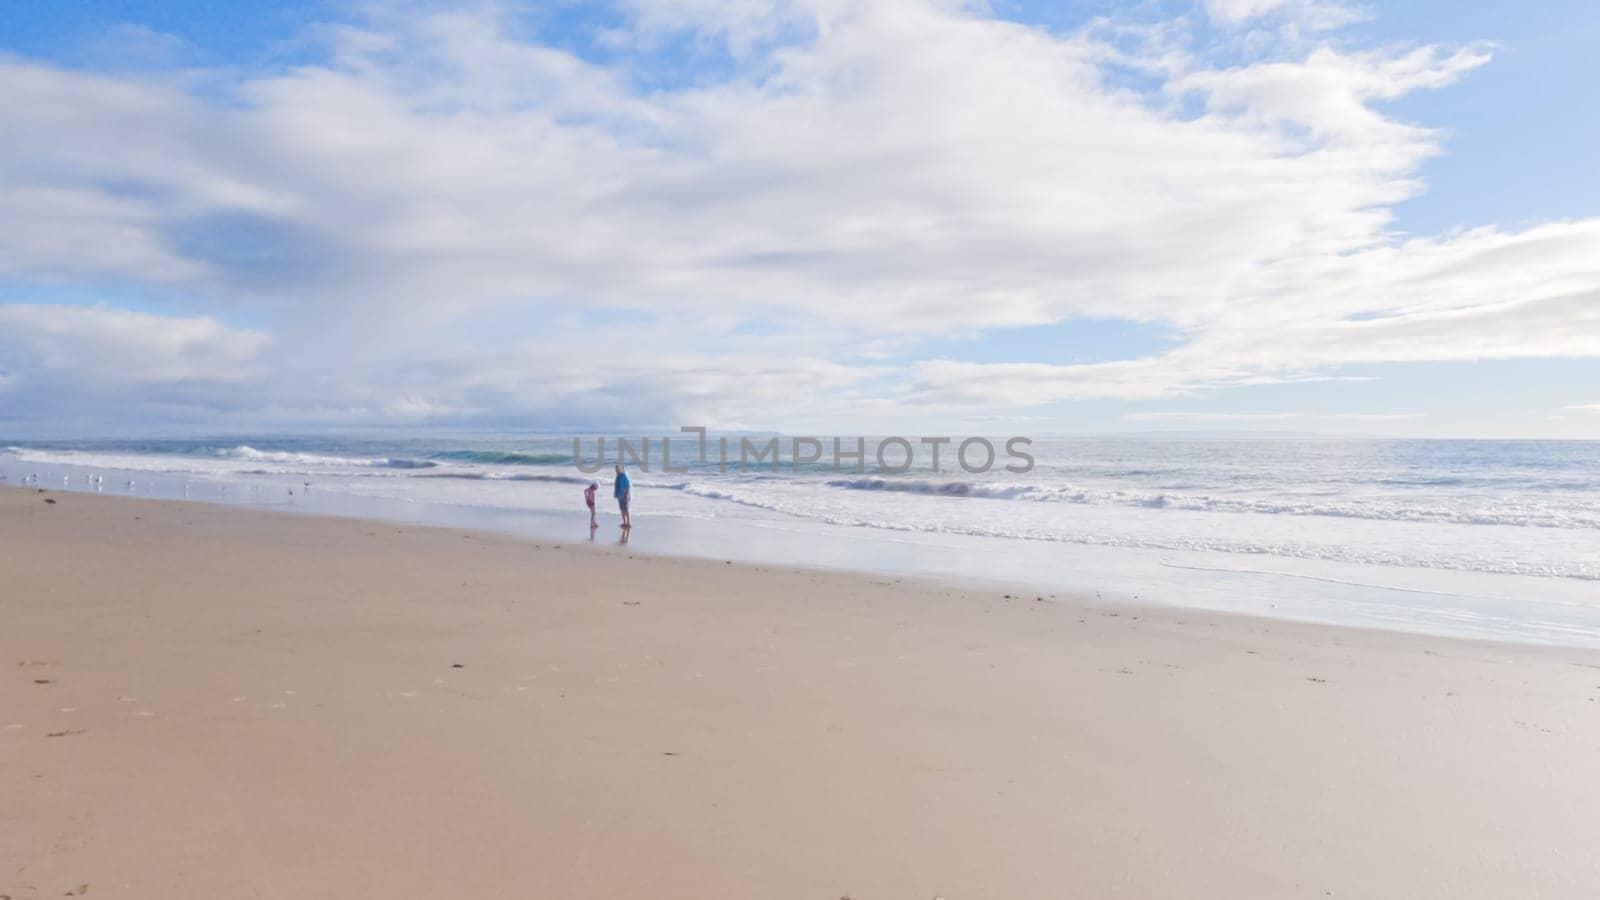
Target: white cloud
1327,95
73,360
118,350
1312,14
1240,10
416,216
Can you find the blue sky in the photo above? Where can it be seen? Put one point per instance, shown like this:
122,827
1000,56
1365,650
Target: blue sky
1277,214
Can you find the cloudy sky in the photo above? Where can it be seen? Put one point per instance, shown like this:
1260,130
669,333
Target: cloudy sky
1290,215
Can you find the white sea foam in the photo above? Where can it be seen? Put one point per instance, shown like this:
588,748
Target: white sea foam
1480,510
288,458
1381,542
1493,508
216,461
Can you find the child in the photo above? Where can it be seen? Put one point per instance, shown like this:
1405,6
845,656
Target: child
588,497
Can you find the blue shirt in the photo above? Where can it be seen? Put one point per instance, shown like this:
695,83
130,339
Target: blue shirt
620,488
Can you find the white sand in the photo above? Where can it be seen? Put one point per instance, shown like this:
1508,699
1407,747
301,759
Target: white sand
241,704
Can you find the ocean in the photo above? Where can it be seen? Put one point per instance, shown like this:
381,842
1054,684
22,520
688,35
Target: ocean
1478,538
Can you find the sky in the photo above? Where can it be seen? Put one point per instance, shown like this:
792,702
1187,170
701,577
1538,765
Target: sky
801,215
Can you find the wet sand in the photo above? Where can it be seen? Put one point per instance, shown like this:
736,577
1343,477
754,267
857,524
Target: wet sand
200,701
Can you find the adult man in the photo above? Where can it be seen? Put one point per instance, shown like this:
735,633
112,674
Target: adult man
623,491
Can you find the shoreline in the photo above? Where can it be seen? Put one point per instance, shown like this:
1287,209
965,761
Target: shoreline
970,587
211,702
1519,609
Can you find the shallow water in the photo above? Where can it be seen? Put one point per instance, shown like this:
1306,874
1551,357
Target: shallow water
1487,538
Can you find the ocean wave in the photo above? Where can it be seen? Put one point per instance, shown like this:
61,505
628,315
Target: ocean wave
1097,512
93,460
996,491
284,457
218,461
503,458
1510,565
1512,513
497,476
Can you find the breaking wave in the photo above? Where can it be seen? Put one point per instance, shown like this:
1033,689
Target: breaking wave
1501,511
495,476
282,457
504,458
1063,533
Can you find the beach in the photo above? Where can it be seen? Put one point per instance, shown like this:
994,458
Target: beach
209,701
1478,539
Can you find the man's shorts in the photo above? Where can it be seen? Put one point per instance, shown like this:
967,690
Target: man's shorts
622,503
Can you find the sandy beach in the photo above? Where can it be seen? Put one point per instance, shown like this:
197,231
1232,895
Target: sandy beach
209,702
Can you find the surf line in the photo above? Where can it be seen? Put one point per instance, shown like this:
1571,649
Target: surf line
1381,587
